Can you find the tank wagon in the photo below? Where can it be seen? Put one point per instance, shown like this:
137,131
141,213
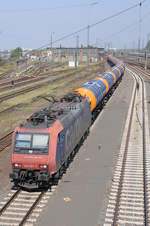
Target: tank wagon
97,89
114,61
42,145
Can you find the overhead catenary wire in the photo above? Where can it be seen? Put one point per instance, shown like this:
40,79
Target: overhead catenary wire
92,25
131,26
95,24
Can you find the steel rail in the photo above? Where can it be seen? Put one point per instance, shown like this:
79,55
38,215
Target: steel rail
115,219
124,160
17,93
13,197
29,212
5,141
144,158
28,80
137,69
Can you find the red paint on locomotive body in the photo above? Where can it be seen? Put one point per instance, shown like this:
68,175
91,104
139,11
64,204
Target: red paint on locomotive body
33,162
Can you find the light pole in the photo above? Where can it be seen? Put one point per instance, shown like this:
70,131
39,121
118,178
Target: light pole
145,60
76,53
88,43
139,41
52,33
88,34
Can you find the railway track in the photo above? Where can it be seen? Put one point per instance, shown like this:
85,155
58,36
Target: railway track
5,79
136,63
130,191
5,75
138,69
29,89
22,207
6,85
5,141
44,83
35,77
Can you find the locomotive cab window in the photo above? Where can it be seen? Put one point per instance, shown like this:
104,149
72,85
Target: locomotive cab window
40,141
23,140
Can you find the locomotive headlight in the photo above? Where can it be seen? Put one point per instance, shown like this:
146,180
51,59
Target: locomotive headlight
17,165
44,166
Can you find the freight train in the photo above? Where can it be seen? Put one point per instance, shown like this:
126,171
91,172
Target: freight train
42,145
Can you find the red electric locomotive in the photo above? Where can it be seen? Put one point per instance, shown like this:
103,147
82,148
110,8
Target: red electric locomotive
44,142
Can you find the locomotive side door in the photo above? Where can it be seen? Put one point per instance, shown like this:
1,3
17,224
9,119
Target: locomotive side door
60,146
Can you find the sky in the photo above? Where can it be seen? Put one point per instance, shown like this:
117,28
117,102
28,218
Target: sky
32,23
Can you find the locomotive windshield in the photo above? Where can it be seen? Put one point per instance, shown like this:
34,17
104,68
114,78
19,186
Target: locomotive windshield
23,140
31,143
40,141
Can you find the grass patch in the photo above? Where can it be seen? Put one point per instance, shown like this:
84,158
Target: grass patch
7,67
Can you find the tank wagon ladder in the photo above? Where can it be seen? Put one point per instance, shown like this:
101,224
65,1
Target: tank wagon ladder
129,197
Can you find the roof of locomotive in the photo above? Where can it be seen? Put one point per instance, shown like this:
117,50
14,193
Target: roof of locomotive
56,110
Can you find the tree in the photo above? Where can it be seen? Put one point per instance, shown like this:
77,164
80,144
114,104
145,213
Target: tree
90,46
16,53
148,45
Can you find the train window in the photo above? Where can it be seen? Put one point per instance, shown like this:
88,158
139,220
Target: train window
23,140
40,141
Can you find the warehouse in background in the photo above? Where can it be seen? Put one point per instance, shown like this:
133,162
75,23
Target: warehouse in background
71,54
